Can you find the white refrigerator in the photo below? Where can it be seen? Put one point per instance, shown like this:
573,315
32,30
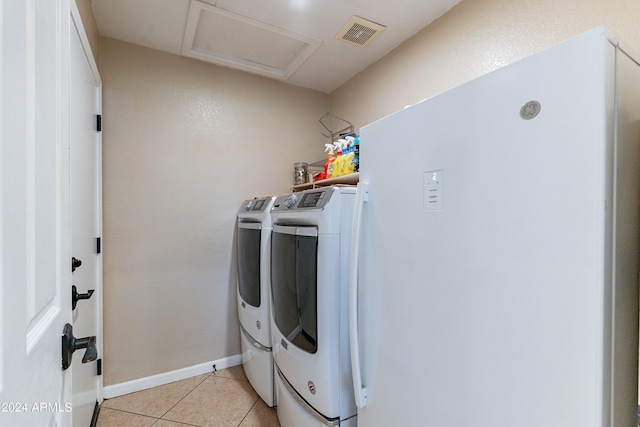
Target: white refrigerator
494,278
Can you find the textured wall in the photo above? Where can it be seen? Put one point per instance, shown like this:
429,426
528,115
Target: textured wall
473,38
184,143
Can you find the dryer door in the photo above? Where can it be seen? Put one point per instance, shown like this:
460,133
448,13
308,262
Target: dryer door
249,234
294,255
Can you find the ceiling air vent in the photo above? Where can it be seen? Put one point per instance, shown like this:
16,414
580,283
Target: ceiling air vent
359,31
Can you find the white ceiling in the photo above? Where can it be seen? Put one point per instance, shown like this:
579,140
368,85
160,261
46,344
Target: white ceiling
288,40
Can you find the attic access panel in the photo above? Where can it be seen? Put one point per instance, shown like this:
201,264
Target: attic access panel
225,38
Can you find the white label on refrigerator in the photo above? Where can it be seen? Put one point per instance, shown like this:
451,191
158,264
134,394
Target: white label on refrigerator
432,187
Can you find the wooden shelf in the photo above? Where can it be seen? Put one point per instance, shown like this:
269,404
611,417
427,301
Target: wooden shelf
350,179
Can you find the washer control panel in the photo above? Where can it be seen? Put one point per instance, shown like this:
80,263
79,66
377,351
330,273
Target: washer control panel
310,199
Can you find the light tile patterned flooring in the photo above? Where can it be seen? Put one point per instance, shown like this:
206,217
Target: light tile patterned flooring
221,399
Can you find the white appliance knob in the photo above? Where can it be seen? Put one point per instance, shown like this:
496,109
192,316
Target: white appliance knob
249,205
290,201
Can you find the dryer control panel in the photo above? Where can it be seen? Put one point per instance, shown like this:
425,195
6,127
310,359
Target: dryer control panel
310,199
255,205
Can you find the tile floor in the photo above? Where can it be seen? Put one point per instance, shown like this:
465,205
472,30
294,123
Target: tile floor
221,399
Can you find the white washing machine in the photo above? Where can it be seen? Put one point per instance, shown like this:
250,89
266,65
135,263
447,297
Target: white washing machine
309,285
254,295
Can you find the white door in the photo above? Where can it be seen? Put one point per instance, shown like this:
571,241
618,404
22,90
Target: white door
85,154
34,216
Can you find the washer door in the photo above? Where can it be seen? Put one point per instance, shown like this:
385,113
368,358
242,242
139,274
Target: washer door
294,255
306,317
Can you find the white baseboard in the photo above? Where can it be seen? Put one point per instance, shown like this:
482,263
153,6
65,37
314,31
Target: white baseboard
139,384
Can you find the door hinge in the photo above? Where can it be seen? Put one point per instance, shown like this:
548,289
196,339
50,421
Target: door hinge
99,367
98,245
99,122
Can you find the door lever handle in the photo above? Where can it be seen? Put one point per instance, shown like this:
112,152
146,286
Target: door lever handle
70,344
75,296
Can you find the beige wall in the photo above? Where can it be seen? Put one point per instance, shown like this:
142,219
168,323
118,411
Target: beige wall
475,37
90,26
184,143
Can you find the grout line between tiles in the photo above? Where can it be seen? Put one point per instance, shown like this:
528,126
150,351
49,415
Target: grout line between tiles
248,412
177,422
133,413
183,397
199,384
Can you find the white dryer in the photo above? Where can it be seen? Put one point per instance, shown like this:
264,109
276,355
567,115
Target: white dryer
309,272
254,294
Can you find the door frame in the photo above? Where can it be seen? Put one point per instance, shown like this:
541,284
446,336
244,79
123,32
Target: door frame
76,25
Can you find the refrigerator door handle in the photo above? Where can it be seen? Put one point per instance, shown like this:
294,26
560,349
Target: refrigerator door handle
362,195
